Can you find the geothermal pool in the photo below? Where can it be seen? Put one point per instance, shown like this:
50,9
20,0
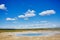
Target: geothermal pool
37,34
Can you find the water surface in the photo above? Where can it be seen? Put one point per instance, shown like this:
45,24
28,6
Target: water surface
37,34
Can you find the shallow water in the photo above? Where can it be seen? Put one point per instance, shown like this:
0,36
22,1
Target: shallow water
37,34
31,34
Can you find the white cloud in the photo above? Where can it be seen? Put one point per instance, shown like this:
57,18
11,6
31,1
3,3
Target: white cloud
3,7
37,25
21,16
29,13
40,25
10,19
31,25
47,12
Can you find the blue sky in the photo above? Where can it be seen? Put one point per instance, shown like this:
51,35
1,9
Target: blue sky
29,13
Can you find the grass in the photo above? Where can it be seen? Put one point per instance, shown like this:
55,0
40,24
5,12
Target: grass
21,30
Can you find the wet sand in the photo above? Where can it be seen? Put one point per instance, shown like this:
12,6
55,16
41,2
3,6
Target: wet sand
11,36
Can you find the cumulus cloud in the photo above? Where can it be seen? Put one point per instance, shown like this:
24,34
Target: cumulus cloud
29,13
21,16
10,19
3,7
47,12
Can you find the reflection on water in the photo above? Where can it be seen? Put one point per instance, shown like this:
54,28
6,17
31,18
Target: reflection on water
37,34
30,33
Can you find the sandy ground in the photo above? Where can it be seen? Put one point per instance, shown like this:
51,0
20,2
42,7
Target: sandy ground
7,36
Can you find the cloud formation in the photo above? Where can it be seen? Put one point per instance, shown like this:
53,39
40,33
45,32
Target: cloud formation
47,12
40,25
29,13
3,7
10,19
36,25
21,16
